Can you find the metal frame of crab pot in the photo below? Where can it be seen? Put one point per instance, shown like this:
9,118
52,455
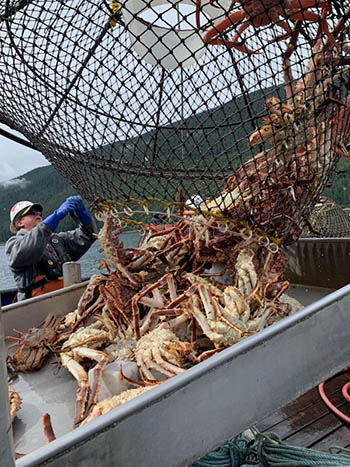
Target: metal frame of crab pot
193,413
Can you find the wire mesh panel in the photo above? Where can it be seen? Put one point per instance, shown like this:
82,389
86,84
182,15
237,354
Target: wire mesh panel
239,110
327,220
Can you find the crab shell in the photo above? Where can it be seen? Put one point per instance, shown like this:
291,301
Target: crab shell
15,402
106,405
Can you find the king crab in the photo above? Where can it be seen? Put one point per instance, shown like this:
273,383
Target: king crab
258,13
33,345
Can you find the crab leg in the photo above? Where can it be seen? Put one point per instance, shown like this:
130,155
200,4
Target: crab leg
226,317
136,300
145,362
109,304
90,311
180,316
47,428
81,376
194,308
139,263
295,14
163,365
96,373
211,37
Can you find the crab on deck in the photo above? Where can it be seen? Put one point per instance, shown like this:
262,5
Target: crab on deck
100,408
226,317
161,351
15,402
83,345
33,345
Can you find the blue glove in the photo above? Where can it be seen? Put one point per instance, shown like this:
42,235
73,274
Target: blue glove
70,204
83,214
80,211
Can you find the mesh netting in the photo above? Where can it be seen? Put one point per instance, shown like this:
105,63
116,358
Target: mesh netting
237,109
327,220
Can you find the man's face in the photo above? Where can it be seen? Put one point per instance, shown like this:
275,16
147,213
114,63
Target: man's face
29,220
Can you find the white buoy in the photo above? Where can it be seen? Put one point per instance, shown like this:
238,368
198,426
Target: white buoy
169,46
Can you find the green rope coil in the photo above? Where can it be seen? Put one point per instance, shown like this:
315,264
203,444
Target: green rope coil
231,454
267,450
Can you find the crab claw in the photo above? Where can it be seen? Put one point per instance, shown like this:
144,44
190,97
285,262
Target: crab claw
211,36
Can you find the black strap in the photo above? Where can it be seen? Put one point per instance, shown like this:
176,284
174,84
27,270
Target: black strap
29,289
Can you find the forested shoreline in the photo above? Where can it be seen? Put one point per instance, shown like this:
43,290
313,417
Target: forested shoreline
46,186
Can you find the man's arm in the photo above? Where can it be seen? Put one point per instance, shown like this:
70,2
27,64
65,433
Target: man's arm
25,250
78,241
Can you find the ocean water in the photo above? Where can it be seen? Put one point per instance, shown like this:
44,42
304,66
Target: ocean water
89,262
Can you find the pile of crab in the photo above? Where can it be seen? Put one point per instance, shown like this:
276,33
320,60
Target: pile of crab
190,290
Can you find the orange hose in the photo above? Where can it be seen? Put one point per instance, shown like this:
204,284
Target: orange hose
332,407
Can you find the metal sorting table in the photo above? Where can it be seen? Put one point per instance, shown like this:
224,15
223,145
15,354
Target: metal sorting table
188,416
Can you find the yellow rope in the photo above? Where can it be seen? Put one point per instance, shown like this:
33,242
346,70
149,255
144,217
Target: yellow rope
114,7
123,212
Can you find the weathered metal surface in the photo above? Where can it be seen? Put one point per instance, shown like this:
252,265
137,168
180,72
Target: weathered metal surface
193,413
6,445
33,311
320,262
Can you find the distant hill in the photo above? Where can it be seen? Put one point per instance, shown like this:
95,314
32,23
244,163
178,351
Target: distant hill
43,185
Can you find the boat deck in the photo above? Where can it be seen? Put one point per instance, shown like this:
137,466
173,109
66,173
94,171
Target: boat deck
308,422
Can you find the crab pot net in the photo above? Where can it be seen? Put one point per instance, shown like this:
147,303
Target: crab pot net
238,111
327,220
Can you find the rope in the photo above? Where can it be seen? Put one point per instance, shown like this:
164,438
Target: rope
267,450
231,454
272,452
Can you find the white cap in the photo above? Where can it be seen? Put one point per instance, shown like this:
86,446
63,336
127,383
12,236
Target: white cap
19,209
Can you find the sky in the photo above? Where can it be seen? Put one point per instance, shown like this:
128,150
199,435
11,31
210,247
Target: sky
16,159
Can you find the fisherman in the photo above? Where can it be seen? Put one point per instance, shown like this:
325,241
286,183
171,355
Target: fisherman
36,253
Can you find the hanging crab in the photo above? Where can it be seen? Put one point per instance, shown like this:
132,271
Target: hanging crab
258,13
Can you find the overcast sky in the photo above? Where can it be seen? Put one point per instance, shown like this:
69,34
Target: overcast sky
16,159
